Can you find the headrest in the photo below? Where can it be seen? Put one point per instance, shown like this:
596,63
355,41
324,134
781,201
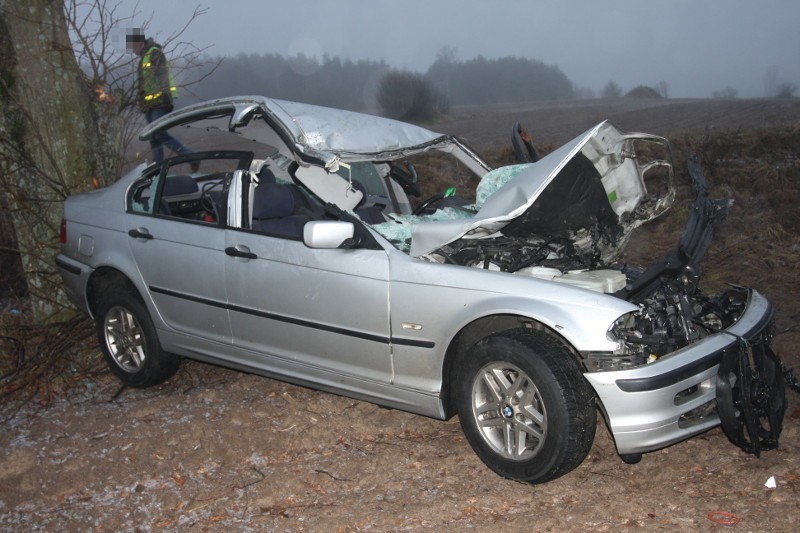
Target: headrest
272,200
262,170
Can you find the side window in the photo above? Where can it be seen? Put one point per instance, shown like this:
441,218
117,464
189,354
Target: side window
191,188
140,197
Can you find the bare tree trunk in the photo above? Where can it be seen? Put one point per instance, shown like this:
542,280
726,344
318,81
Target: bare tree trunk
47,134
12,282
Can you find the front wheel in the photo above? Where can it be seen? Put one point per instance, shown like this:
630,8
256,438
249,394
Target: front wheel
129,342
524,406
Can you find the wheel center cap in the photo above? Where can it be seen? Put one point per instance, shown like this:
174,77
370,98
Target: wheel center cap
507,411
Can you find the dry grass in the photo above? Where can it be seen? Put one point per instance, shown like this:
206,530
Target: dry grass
758,244
40,363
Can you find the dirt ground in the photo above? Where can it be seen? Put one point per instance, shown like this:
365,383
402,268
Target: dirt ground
220,450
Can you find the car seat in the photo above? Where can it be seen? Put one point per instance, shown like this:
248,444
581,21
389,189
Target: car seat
274,211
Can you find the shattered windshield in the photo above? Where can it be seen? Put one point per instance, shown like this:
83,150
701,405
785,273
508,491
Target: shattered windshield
398,229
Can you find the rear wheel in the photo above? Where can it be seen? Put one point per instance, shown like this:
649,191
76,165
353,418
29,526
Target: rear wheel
524,406
129,342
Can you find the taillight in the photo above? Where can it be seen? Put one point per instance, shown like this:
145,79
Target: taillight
62,235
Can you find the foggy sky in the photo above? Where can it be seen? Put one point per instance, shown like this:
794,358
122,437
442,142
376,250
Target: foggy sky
696,46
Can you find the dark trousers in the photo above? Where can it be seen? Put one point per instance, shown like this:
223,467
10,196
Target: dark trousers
158,141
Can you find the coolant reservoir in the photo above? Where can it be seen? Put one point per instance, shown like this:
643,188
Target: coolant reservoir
607,281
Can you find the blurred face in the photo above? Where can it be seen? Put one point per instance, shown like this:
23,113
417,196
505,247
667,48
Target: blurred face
135,46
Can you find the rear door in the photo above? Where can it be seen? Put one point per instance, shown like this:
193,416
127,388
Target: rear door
177,222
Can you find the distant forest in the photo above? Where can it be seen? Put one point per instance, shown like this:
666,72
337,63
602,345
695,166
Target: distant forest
491,81
354,84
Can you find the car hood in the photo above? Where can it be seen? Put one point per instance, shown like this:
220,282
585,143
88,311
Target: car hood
319,135
591,192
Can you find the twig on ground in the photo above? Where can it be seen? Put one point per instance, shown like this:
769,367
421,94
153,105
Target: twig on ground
335,478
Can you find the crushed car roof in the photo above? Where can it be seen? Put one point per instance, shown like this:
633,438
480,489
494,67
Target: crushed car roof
314,130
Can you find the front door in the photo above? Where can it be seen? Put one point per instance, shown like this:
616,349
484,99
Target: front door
324,312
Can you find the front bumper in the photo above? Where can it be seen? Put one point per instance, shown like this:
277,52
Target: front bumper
656,405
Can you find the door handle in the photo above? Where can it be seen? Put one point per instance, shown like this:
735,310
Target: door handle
140,233
240,251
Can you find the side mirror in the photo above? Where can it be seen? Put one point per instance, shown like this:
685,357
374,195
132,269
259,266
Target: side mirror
328,234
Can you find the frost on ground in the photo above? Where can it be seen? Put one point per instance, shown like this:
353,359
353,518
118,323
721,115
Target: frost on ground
216,449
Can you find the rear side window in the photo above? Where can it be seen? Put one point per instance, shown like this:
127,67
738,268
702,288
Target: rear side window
140,199
192,188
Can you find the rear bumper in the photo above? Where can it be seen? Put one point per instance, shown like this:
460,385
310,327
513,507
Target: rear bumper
656,405
75,276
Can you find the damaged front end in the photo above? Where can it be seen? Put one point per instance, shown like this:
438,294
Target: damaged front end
684,362
673,313
749,391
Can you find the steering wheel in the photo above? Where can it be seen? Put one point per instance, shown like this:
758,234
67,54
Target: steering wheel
438,197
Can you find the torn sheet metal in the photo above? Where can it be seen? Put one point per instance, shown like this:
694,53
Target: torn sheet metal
594,179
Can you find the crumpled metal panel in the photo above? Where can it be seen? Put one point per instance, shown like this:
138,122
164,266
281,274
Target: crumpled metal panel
507,203
340,132
508,193
316,131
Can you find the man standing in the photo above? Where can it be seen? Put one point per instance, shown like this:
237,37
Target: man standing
156,90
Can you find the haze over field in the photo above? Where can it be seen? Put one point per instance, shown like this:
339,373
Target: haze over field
695,46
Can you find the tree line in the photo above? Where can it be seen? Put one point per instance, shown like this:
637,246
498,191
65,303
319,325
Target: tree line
482,81
330,81
355,85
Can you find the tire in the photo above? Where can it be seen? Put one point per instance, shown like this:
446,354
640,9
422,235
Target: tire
129,342
524,406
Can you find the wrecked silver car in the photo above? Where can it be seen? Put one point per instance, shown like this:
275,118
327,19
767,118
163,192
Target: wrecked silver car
286,245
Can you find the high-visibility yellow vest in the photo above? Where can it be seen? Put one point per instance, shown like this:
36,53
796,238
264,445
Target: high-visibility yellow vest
153,88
